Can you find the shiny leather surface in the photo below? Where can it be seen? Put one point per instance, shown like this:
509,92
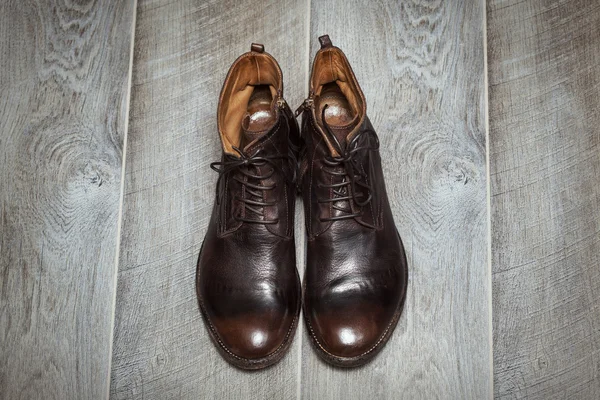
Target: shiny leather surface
247,283
356,272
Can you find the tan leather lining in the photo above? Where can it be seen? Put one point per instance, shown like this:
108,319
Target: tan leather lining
249,70
331,65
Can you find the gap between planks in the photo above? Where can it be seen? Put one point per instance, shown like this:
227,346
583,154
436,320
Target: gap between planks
300,330
486,115
121,196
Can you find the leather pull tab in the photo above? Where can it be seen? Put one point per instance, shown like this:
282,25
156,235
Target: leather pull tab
257,47
325,41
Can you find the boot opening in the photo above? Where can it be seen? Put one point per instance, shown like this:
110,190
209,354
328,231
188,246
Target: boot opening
337,92
248,99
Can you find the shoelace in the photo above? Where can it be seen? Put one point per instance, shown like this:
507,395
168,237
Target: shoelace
346,189
243,163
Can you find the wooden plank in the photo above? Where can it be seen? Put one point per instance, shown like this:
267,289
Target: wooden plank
183,50
421,66
64,80
544,74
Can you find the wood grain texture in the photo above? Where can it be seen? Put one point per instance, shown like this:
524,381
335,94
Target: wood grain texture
544,75
64,70
183,51
421,66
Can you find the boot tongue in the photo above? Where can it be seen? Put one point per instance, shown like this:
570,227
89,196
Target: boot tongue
252,131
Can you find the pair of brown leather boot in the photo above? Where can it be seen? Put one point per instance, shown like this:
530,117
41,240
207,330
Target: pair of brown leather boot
356,275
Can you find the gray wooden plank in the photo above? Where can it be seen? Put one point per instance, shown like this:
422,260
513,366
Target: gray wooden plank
544,76
64,79
182,53
421,66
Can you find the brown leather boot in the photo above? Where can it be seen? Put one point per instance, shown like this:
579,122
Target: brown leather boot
247,283
356,271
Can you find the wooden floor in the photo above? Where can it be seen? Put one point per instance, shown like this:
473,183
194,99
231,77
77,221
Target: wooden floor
64,84
489,120
544,103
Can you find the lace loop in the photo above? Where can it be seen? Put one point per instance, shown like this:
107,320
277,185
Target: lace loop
353,175
243,164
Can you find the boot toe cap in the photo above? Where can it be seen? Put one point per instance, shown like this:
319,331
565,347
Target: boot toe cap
250,338
351,332
250,327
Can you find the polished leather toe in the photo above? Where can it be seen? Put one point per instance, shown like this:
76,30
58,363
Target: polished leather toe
350,330
250,299
255,333
350,317
251,316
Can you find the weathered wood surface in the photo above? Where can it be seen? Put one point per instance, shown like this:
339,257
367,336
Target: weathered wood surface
183,50
64,79
421,66
544,77
63,105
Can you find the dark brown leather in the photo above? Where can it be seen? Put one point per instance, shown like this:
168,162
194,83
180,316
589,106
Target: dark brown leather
356,273
247,283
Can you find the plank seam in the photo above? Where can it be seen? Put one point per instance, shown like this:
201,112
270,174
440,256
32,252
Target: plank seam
486,116
306,86
121,194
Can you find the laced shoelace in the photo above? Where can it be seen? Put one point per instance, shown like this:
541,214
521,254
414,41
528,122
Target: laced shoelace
243,164
352,175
